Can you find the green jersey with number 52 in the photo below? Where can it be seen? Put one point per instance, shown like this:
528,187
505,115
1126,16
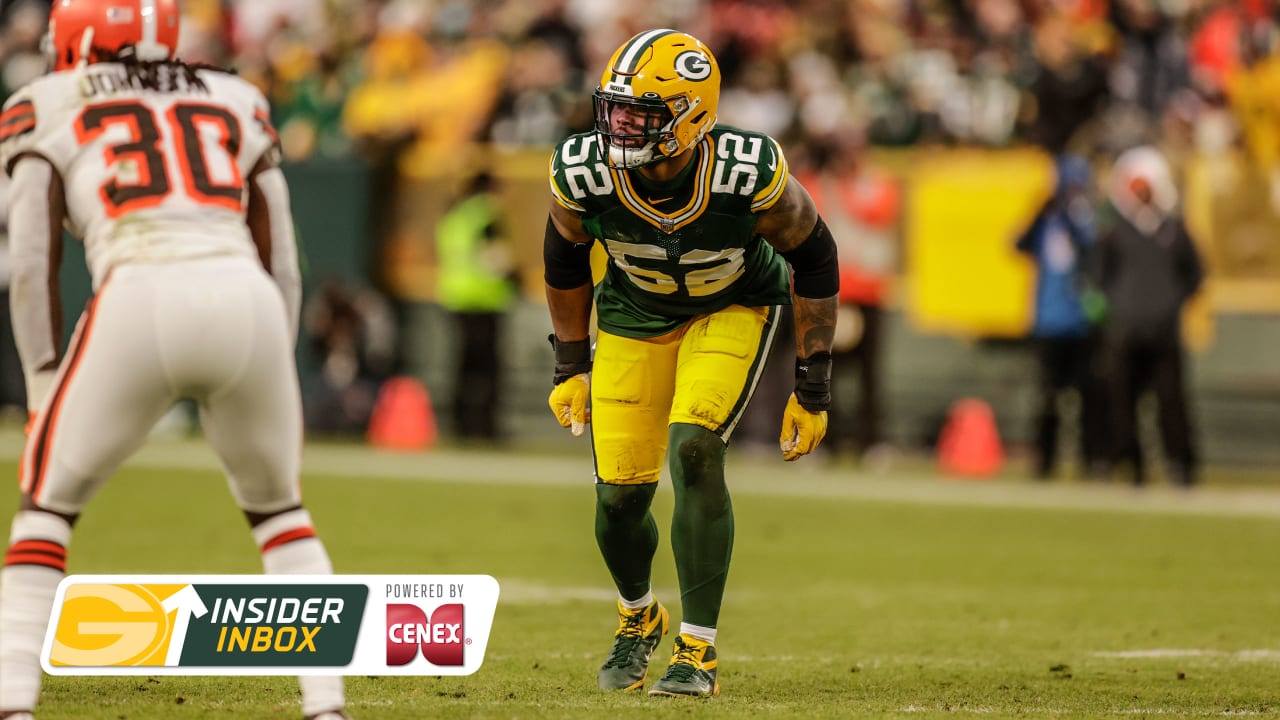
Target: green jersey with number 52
682,248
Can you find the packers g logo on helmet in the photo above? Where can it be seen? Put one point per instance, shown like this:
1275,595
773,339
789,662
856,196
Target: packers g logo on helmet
657,97
693,65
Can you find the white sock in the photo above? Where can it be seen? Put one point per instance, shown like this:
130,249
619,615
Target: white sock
37,549
640,604
702,633
321,693
290,547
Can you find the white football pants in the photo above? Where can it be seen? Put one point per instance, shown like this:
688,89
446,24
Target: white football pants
210,329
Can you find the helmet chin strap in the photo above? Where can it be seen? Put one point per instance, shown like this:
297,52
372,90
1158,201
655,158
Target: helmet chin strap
631,157
671,147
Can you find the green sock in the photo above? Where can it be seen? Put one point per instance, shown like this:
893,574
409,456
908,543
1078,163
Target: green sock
702,525
627,535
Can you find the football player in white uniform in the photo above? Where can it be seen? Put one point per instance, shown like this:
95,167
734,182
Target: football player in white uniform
168,174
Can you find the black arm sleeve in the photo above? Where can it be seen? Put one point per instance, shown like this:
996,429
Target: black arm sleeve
566,264
816,268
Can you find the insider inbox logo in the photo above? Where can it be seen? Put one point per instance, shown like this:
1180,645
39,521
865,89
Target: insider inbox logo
270,625
438,635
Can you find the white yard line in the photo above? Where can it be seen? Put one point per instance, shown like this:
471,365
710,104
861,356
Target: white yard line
1042,711
1260,655
524,592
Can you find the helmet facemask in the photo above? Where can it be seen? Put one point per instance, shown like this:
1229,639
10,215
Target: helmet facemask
635,131
47,50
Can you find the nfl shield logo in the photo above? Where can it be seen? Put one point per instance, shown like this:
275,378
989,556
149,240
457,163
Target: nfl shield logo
667,225
119,15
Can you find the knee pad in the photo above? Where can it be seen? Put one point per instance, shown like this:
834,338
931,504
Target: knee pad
696,453
623,501
38,538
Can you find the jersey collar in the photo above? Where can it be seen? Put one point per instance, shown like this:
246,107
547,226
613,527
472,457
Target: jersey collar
670,222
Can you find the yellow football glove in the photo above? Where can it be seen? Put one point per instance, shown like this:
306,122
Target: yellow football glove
802,430
568,402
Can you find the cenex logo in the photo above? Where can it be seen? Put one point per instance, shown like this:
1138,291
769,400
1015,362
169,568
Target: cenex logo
440,637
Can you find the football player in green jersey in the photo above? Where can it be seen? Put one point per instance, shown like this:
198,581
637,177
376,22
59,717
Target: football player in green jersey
700,223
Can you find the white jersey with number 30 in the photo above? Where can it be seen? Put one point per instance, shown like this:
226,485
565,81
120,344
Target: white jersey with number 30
153,167
168,175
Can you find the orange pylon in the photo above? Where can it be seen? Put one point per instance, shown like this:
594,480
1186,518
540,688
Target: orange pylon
402,416
970,444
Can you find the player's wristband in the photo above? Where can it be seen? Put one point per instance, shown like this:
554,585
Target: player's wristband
813,382
572,358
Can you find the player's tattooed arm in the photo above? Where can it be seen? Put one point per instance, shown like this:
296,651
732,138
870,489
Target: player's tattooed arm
815,324
788,222
570,307
790,227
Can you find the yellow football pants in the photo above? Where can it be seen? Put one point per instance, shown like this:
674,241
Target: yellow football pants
702,374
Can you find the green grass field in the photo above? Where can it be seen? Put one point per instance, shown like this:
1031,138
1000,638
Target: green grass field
851,596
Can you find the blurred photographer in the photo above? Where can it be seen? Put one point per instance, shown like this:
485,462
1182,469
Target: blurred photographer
1147,267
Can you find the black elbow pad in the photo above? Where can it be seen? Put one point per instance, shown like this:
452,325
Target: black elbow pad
566,264
815,266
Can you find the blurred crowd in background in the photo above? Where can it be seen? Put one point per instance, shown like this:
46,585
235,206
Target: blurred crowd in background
1088,74
408,87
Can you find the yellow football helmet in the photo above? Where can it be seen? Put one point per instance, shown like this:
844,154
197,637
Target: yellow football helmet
657,97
